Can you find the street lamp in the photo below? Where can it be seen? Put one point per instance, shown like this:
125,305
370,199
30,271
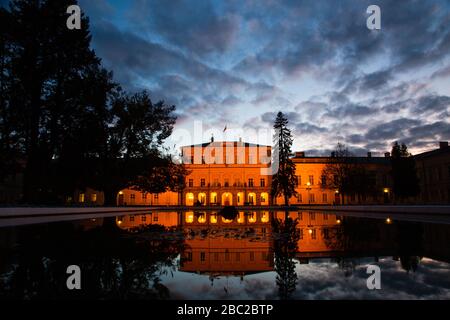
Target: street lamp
308,187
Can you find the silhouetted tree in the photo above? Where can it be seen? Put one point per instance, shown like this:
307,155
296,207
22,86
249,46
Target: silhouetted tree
339,170
404,174
284,180
133,155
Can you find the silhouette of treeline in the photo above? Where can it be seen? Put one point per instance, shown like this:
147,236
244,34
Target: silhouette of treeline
350,176
64,122
115,263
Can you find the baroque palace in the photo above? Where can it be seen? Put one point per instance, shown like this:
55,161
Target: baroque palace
239,174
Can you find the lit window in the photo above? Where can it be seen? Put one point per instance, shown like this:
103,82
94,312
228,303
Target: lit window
81,198
94,197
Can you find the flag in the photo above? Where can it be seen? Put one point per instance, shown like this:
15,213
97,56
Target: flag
225,129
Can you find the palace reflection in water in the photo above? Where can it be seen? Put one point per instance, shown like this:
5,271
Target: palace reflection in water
163,252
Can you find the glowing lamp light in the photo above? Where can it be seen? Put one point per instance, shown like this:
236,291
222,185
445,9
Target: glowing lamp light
388,220
310,231
120,192
265,217
336,191
338,221
386,190
213,218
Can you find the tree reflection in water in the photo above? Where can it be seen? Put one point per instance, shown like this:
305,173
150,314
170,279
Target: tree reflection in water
115,263
410,237
286,236
356,237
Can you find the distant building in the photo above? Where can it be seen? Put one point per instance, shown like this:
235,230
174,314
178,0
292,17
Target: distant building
433,168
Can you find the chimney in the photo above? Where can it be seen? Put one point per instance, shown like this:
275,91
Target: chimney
240,140
299,154
369,154
443,144
387,154
212,138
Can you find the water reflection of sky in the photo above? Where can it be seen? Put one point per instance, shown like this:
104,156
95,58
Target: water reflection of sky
321,279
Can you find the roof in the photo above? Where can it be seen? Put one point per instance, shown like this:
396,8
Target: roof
219,143
432,153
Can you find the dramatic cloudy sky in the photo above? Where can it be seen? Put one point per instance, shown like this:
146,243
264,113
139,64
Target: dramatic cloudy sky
236,63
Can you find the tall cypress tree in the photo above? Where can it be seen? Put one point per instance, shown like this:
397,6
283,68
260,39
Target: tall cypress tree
284,180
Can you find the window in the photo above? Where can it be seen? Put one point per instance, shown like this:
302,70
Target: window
313,234
300,216
191,183
143,218
263,198
202,182
264,256
311,180
216,182
227,183
133,196
325,216
94,197
312,216
299,180
301,234
202,256
299,198
323,180
156,196
144,196
189,256
324,197
155,217
237,182
252,256
131,218
250,182
262,182
312,198
81,197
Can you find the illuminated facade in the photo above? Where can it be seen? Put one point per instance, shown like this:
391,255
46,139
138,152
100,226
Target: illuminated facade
236,173
227,173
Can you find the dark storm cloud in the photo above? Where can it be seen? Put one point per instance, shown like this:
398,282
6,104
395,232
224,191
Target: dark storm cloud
217,59
394,129
350,110
197,27
431,103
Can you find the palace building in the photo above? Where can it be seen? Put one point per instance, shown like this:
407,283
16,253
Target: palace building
239,174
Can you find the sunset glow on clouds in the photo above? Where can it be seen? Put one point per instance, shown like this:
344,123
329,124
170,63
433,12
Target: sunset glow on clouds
237,63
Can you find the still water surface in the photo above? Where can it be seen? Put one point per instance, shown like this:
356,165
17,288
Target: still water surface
205,255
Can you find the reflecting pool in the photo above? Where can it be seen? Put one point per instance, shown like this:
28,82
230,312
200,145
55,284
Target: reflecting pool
211,255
